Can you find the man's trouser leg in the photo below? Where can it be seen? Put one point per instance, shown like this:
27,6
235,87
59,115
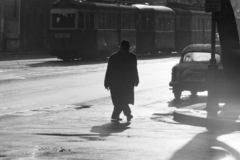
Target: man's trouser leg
128,98
116,99
116,112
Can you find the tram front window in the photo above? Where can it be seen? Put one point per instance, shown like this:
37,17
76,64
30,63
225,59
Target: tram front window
63,20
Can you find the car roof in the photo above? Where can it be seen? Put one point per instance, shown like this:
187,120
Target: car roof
201,48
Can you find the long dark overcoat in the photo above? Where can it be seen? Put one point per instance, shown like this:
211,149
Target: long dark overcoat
122,76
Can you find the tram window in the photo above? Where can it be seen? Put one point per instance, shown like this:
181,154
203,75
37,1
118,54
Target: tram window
153,22
182,24
144,22
194,24
150,23
167,24
189,22
161,24
185,23
80,20
172,24
122,21
199,25
200,22
113,21
207,24
89,20
178,23
63,20
100,21
126,22
107,20
132,21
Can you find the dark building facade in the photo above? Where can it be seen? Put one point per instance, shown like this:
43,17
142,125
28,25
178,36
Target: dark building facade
1,25
25,25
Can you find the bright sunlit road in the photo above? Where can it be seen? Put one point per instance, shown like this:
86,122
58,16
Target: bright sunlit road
60,110
41,83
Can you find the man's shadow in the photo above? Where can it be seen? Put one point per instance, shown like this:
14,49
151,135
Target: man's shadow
109,128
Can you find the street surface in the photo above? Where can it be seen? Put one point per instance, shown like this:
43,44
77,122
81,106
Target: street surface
60,110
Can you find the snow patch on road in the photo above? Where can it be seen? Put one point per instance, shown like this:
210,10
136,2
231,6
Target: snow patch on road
11,77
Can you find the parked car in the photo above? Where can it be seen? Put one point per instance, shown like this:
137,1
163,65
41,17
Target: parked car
191,71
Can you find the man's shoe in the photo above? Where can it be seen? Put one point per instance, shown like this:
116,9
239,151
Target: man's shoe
129,118
116,119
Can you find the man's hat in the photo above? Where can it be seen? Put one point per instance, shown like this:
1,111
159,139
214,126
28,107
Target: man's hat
125,44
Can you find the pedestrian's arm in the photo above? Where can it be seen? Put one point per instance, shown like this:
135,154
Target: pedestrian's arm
136,77
108,75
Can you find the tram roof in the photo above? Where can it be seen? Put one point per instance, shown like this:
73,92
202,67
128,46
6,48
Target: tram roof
91,5
188,12
151,8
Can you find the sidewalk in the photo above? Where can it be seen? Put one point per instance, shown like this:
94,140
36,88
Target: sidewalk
198,116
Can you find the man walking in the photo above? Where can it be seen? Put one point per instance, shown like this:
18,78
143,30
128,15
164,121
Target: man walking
121,77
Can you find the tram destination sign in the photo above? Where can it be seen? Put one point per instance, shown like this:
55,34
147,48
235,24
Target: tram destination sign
212,5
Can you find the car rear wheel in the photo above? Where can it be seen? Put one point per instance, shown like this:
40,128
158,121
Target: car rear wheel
177,93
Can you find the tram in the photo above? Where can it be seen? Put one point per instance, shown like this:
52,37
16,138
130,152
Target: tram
94,30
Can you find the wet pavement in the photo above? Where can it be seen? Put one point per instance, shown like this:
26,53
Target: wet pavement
84,131
159,130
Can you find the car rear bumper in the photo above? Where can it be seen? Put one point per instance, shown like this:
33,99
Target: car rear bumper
189,86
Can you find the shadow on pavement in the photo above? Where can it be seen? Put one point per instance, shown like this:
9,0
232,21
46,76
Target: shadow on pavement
109,128
59,63
89,137
207,145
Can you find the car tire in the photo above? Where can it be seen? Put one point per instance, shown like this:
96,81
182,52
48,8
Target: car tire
177,93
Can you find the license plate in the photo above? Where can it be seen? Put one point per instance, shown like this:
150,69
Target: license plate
62,35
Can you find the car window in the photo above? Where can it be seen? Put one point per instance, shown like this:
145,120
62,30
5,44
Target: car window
199,57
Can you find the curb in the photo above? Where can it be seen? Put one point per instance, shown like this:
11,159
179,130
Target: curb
25,55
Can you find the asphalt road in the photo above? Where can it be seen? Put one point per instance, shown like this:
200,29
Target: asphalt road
45,82
56,110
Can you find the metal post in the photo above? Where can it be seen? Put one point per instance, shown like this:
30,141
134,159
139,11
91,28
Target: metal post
213,40
212,102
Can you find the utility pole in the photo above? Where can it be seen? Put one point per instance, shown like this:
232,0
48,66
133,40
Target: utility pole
212,102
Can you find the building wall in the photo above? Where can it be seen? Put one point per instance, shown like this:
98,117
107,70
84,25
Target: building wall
1,25
26,24
11,25
34,24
